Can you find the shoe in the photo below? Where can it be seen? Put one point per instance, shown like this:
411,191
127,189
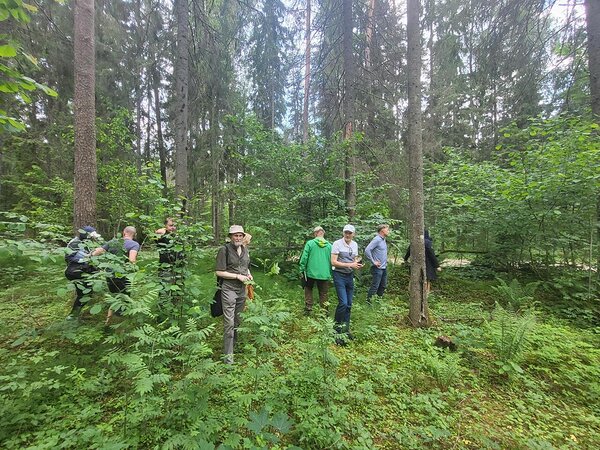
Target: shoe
307,312
340,342
228,359
74,314
350,336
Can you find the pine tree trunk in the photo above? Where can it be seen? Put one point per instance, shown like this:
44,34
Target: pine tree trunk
85,176
592,10
162,155
216,174
348,109
306,74
419,310
147,152
138,129
181,100
369,34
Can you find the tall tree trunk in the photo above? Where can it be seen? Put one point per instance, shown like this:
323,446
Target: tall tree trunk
348,109
369,34
85,176
306,74
162,154
138,128
592,11
369,75
181,100
216,174
419,310
147,152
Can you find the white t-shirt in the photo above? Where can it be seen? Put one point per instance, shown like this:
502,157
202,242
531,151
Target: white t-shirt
346,254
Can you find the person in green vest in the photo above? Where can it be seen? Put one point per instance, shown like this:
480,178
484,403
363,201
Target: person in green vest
315,268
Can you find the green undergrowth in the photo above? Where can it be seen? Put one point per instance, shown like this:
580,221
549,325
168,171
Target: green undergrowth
519,378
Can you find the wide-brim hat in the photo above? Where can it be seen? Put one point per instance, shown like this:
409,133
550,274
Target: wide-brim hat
236,229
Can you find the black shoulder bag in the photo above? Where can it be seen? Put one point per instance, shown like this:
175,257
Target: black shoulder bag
216,307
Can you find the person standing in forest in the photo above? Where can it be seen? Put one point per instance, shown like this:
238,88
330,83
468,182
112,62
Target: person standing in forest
79,267
345,260
233,271
315,268
376,253
126,251
169,258
432,264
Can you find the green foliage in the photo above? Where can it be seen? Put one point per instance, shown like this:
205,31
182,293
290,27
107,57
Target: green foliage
44,199
154,377
445,369
509,333
516,294
14,86
534,204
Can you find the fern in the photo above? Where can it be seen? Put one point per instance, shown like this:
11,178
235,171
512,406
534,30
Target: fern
509,332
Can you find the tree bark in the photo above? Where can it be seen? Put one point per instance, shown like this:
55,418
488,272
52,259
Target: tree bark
147,151
138,129
181,101
369,34
419,310
348,109
162,155
306,74
592,11
85,173
216,174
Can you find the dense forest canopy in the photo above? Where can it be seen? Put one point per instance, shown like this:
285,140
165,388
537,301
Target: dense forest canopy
505,101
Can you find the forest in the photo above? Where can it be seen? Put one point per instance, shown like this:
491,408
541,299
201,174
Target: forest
190,132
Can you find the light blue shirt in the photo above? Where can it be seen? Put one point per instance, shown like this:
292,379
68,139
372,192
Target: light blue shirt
377,251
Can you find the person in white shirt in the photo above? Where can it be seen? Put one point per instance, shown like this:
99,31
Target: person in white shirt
345,260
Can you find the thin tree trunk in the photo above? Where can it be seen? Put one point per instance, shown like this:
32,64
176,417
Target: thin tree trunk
419,310
306,74
369,34
159,136
138,130
181,101
369,75
85,176
592,10
216,172
147,155
348,109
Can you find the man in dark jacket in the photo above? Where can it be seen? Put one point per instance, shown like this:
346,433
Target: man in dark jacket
79,267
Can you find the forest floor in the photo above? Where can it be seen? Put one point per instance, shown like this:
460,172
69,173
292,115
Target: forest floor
528,379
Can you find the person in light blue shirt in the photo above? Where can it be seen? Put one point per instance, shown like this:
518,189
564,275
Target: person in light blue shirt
376,253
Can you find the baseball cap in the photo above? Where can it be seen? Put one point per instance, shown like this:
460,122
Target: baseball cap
349,228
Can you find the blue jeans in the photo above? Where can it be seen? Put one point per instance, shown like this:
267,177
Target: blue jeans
344,286
378,284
